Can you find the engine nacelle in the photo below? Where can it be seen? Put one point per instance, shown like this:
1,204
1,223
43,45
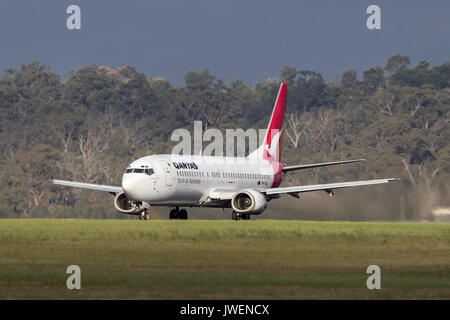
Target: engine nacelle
125,205
248,201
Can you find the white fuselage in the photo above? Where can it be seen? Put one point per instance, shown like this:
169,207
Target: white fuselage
185,180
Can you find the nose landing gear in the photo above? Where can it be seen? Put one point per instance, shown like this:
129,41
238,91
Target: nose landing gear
177,214
144,215
238,216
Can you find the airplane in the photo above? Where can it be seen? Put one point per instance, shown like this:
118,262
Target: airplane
244,184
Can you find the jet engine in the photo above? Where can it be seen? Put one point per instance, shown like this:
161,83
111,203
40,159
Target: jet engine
248,201
125,205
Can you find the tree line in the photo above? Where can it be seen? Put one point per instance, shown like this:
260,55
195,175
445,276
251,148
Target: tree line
90,124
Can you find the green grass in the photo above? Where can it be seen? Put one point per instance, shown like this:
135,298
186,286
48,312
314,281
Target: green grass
200,259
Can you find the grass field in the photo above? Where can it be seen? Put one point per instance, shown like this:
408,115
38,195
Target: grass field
201,259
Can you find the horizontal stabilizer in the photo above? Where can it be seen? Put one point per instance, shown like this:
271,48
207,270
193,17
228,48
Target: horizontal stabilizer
322,164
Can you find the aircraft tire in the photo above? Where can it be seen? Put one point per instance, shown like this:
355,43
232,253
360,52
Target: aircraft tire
245,216
235,216
173,214
183,215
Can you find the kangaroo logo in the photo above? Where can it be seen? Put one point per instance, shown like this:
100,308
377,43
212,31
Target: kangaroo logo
274,144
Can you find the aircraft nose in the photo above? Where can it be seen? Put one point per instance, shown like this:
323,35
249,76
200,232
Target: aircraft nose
131,185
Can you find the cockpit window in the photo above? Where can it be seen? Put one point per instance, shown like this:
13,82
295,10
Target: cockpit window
147,171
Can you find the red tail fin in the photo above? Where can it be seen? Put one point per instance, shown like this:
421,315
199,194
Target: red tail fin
274,135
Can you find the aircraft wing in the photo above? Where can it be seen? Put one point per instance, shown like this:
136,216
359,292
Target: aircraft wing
322,164
325,187
90,186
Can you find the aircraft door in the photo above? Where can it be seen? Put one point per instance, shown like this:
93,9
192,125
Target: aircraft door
167,172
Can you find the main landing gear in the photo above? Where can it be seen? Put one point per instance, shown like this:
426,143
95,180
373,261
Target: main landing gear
238,216
178,214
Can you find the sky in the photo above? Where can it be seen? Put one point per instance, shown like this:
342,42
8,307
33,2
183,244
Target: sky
249,40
